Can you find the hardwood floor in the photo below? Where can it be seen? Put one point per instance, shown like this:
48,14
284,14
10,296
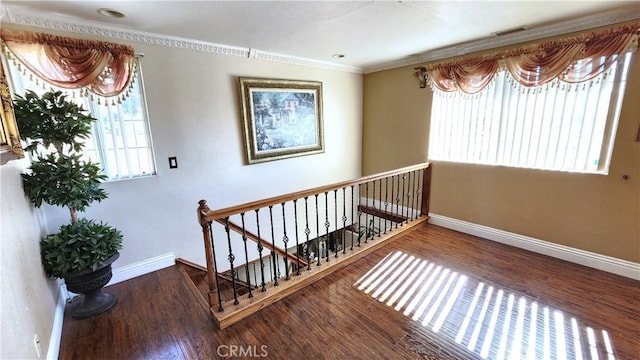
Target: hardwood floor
528,305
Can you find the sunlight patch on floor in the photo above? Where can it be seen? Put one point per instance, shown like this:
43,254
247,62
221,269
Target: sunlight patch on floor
488,321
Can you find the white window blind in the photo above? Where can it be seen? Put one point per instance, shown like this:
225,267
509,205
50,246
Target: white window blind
556,126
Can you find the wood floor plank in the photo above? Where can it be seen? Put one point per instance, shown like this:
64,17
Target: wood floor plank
159,316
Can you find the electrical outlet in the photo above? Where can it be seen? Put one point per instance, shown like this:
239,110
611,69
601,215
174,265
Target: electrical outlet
36,343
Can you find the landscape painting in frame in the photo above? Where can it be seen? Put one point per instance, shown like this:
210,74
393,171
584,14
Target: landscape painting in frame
281,118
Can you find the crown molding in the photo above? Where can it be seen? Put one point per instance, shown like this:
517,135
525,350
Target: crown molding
624,14
101,30
294,60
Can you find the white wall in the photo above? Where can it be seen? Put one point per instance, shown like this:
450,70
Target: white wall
194,108
27,296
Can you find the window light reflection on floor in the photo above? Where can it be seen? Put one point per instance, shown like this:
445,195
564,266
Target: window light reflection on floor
488,321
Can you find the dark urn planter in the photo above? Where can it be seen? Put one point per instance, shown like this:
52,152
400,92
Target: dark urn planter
90,284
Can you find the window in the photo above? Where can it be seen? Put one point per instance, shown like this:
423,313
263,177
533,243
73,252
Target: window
121,139
556,126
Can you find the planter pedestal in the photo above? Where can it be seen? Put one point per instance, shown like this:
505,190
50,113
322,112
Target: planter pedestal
90,283
94,303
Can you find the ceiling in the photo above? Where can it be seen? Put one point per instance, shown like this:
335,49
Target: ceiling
372,35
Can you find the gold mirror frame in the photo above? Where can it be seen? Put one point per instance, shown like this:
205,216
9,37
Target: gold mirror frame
10,147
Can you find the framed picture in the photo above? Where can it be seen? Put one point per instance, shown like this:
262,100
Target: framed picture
281,118
10,146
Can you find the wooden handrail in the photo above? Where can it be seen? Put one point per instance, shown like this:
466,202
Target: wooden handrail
411,191
382,214
264,243
238,281
207,214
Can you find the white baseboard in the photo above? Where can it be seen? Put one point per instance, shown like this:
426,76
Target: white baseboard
142,267
597,261
119,274
58,317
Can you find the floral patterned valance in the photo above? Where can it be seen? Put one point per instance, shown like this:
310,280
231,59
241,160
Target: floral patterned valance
574,59
104,68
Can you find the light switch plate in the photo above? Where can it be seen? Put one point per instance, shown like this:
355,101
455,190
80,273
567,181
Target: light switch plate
173,162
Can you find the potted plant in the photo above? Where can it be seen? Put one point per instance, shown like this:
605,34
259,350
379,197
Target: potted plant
83,250
368,231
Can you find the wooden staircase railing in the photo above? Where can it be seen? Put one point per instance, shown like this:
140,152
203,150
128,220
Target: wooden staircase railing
264,243
313,233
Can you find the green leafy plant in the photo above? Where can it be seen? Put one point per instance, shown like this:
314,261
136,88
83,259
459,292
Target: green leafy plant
368,231
51,119
78,247
54,129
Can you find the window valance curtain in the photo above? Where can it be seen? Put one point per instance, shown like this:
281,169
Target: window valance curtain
103,68
572,60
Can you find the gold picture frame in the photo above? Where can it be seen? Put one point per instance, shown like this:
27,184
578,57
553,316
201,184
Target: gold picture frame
281,118
10,146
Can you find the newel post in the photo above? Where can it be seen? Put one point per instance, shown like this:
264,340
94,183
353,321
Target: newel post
426,189
212,274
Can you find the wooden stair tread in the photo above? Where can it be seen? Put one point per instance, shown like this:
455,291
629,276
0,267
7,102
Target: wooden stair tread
198,278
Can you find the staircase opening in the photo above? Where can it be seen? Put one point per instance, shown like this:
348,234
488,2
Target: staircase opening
258,253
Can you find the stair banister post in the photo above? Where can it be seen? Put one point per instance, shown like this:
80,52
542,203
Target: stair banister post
426,190
212,276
